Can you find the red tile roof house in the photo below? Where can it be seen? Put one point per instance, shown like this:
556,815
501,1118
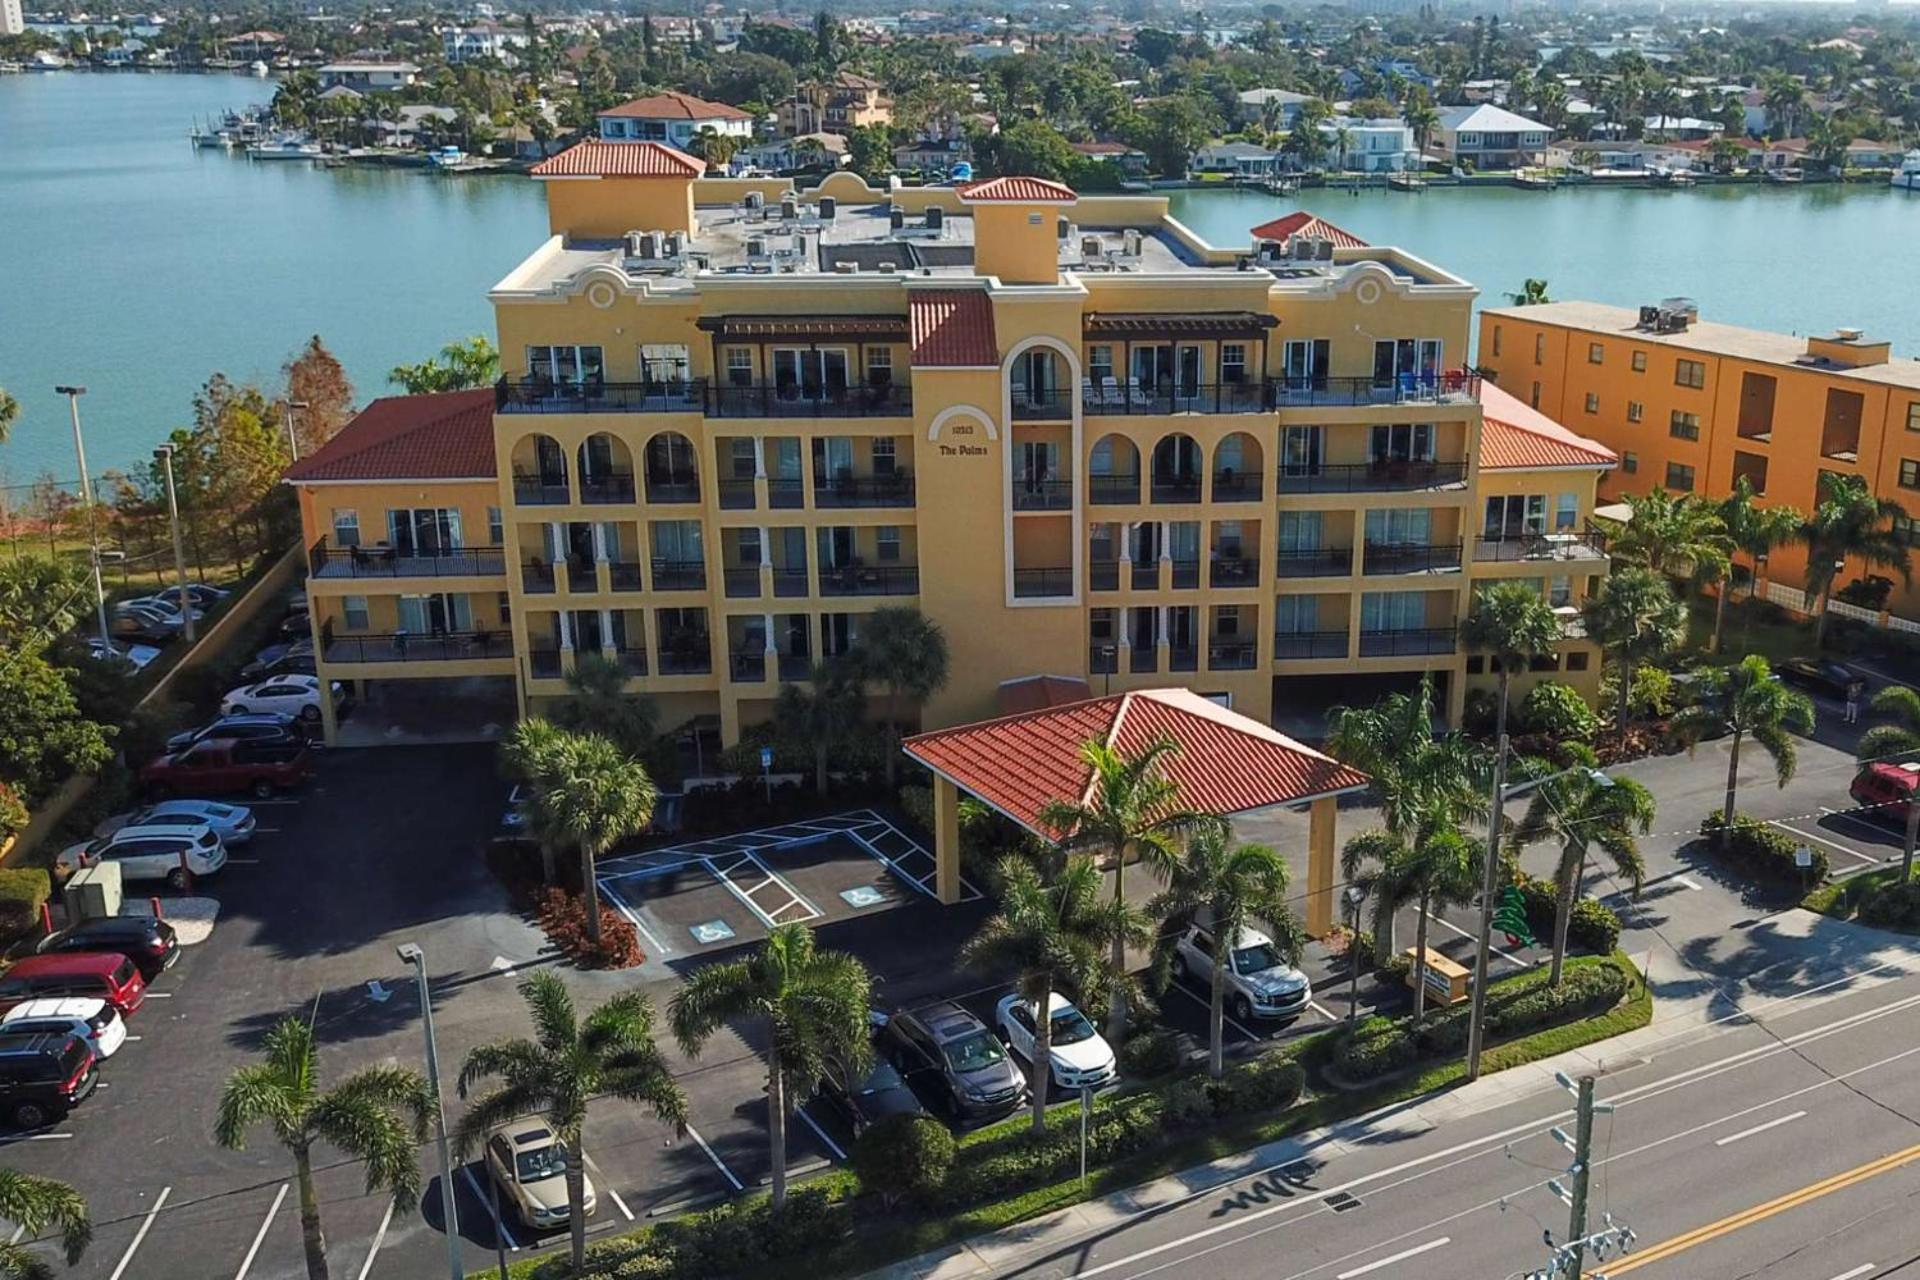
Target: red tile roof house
673,118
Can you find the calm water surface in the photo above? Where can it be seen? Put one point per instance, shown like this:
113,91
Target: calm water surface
137,265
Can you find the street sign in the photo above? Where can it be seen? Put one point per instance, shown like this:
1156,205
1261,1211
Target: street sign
766,757
1802,856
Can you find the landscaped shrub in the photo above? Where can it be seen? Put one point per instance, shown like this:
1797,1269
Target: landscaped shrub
13,812
1892,906
1558,711
1763,852
22,892
904,1157
1267,1083
1594,927
563,917
1150,1055
735,1239
1186,1102
1012,1162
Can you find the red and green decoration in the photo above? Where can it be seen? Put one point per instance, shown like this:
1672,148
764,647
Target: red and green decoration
1510,917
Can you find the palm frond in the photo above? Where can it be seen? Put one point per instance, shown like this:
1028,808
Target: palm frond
33,1204
551,1006
712,996
490,1110
252,1094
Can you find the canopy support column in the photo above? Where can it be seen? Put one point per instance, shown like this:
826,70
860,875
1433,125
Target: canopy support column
946,840
1322,819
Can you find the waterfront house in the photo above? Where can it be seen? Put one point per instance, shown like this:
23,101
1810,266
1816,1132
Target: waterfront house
481,41
1240,159
935,156
672,117
1383,145
1490,137
1131,161
255,46
369,77
785,155
840,105
1680,129
1253,106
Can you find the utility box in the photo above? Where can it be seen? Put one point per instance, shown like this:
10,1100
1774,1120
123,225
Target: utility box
93,893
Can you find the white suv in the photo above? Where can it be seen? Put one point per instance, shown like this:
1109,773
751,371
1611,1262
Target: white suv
152,853
1260,984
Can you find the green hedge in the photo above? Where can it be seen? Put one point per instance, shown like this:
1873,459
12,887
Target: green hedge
1762,852
736,1238
22,891
1151,1054
1892,906
1594,928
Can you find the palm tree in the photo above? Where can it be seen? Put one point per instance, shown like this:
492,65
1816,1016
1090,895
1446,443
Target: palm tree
812,1004
597,701
1898,737
9,414
1674,534
531,756
1634,618
1053,934
1132,810
1849,522
1533,293
1437,868
823,713
378,1116
906,653
1422,119
596,796
570,1060
1342,143
1231,886
1756,530
1585,809
34,1205
1512,624
1749,700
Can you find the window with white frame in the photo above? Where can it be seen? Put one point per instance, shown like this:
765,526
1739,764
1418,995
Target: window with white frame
1401,442
879,366
346,527
739,367
1560,591
1566,511
885,459
566,366
1233,362
664,363
1100,363
1226,620
496,528
1399,527
886,543
1515,515
740,454
353,612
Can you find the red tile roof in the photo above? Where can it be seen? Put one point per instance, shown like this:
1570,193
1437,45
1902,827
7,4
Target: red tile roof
436,437
952,327
1017,190
1517,437
1225,763
674,105
1032,693
1302,223
596,159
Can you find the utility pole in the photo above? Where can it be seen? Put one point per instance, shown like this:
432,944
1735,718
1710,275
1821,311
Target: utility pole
1489,881
164,456
1582,1175
1568,1261
73,394
450,1220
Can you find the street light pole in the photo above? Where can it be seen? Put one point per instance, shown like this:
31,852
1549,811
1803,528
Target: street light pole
164,456
413,955
1354,895
293,443
73,394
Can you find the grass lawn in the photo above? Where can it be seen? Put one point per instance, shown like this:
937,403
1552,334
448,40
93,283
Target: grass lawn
1746,631
1842,898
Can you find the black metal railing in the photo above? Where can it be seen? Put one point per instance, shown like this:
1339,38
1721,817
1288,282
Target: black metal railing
1455,386
691,657
742,582
1230,655
390,562
582,577
1186,574
1042,495
796,666
623,575
1398,644
1114,490
544,664
871,580
792,400
536,579
1236,486
673,489
736,494
679,575
864,491
1103,575
1103,659
632,661
1310,644
789,582
1315,562
1041,406
1369,477
1588,545
541,395
401,646
1169,397
1398,557
747,666
1143,658
785,494
615,486
1233,571
1176,488
1035,583
1146,575
1183,657
531,490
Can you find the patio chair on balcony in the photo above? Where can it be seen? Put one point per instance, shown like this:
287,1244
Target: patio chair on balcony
1110,394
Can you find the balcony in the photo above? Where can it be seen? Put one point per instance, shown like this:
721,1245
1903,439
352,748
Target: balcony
1143,659
1223,397
1370,477
1310,644
1591,545
747,666
399,646
789,582
623,575
671,490
530,490
871,580
1399,557
736,494
1236,486
742,583
1401,644
386,562
1042,406
1456,386
544,664
786,494
692,656
1117,490
1042,495
1103,659
792,401
529,395
796,666
1183,657
1176,489
536,579
1315,562
582,577
1230,655
1103,575
679,575
1029,584
864,491
633,661
1146,575
1186,574
1236,571
615,486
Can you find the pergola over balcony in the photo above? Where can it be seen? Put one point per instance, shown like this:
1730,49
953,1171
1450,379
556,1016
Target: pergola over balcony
1225,764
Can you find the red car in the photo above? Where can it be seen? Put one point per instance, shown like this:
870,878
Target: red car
94,974
1889,788
215,765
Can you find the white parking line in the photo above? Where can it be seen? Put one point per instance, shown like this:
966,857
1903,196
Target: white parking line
159,995
146,1225
1808,835
379,1238
513,1245
1320,1009
17,1233
1860,1270
1207,1004
718,1163
605,1182
1774,1123
1445,923
633,918
1401,1256
831,1144
35,1137
1686,883
246,1263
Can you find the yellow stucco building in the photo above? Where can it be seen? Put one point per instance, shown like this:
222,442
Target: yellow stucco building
735,419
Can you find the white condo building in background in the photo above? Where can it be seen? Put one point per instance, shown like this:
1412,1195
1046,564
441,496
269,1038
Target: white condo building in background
13,22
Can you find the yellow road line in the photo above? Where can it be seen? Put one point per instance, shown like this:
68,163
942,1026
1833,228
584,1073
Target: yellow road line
1760,1212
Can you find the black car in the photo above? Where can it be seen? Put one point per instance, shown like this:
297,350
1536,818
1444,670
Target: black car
255,726
43,1077
294,659
865,1098
151,944
1818,675
949,1054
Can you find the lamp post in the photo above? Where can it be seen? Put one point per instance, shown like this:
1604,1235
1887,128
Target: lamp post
73,394
164,456
1353,895
413,955
293,443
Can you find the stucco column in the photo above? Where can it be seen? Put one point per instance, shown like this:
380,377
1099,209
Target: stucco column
946,840
760,500
1321,823
771,655
1163,637
606,633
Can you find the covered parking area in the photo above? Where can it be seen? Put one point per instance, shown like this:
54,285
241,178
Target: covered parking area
1225,763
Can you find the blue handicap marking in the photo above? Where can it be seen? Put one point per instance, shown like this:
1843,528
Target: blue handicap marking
864,895
711,931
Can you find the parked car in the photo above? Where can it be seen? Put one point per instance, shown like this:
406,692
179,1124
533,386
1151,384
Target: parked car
528,1164
1890,790
93,1020
151,944
1821,675
1259,983
262,726
287,695
204,595
96,975
293,658
149,625
944,1049
865,1098
42,1078
296,625
136,656
218,766
167,603
233,823
1080,1056
152,853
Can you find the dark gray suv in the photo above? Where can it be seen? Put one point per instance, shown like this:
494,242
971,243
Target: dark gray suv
943,1048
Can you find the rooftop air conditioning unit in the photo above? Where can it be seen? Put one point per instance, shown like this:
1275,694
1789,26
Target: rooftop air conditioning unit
896,218
936,217
1130,242
828,208
1649,317
1091,247
1269,251
756,246
676,244
1323,250
1686,308
1849,335
789,207
846,268
656,242
1063,230
756,200
637,244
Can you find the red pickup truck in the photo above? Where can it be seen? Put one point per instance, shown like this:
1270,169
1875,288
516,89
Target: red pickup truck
223,764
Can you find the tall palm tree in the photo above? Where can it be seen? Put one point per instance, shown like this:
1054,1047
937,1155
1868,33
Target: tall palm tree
905,652
1898,736
531,756
9,414
811,1004
1133,810
1634,618
377,1115
1422,119
597,796
1583,810
35,1205
824,713
1436,868
1849,522
1673,534
1755,530
570,1060
1054,934
1750,701
1512,624
1232,886
597,701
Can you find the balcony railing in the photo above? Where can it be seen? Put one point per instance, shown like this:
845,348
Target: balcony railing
615,486
1310,644
1236,486
871,580
1230,655
1042,495
1456,386
789,582
1396,557
544,663
692,657
785,494
1369,477
666,490
736,494
387,562
536,579
1316,562
1146,575
1143,658
1399,644
679,575
400,646
743,582
1039,583
1167,398
796,666
1041,406
1183,657
1186,574
531,490
747,666
1235,571
582,578
864,491
1176,488
1103,575
623,575
1114,490
794,401
531,395
1590,545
